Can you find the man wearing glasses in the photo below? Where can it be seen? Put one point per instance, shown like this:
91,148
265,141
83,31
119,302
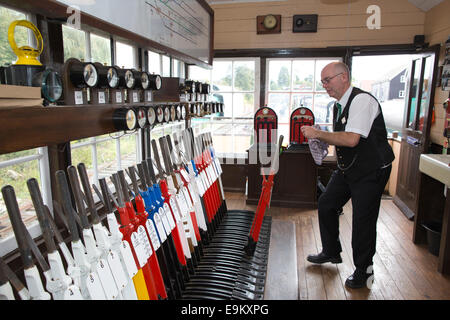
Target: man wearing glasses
364,159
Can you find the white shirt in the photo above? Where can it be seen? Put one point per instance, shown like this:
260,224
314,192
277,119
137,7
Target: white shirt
362,112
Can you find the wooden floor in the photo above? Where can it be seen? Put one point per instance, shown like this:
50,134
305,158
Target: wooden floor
403,270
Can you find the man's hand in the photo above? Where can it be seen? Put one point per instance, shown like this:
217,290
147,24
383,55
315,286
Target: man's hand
342,138
310,132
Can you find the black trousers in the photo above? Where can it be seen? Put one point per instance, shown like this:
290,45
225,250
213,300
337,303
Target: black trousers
365,194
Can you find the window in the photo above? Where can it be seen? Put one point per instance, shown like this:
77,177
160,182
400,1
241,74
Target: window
178,68
235,82
125,55
21,34
15,169
295,83
100,49
154,62
74,43
106,154
165,66
379,75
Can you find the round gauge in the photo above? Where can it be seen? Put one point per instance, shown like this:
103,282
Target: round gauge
159,114
112,77
194,108
90,75
151,115
141,118
173,113
178,110
51,84
130,80
206,88
124,119
183,112
166,114
131,119
145,80
155,82
198,87
189,86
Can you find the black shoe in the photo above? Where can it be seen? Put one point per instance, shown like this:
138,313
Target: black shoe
322,258
360,279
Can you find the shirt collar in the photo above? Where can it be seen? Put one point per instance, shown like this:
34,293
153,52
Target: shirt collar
344,99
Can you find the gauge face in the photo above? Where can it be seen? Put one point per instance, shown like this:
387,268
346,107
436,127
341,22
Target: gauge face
131,119
159,114
141,118
167,114
90,75
145,81
183,112
52,86
112,77
178,110
151,115
158,82
129,79
173,113
193,87
194,108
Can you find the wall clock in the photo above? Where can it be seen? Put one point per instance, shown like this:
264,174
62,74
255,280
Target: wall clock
267,24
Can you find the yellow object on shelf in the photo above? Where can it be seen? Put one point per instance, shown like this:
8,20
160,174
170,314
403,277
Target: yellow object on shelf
26,55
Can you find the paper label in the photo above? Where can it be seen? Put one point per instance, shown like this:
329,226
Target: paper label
152,233
118,97
145,242
128,259
169,217
159,226
95,287
138,249
107,279
78,97
135,96
149,96
101,97
178,215
117,269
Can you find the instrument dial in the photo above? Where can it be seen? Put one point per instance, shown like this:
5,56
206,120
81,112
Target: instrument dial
159,114
151,116
90,75
130,80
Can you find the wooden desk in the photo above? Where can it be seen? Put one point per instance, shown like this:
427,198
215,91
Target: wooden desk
295,184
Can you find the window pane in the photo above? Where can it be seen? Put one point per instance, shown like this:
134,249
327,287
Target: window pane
425,90
323,108
221,76
128,151
17,176
302,75
82,154
320,64
279,75
243,105
125,55
302,100
227,104
244,75
166,66
100,49
74,43
20,35
154,62
199,74
279,102
106,158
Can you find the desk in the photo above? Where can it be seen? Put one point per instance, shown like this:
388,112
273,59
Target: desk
295,184
433,205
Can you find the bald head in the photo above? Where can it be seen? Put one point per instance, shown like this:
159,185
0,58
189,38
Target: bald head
336,79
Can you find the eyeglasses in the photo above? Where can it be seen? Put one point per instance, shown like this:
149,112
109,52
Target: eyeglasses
328,79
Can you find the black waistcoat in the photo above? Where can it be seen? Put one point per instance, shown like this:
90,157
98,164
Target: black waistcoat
370,153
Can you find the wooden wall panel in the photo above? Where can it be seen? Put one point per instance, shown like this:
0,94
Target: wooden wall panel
437,30
338,25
